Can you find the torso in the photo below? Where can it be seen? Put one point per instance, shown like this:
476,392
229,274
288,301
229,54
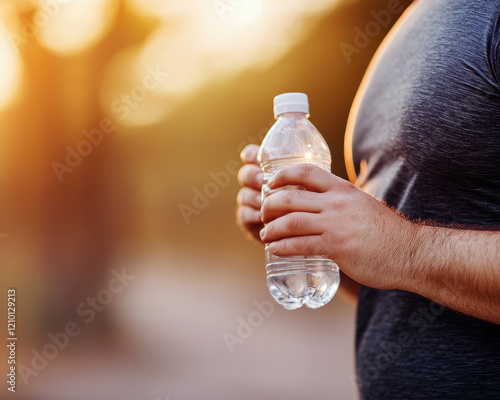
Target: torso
424,136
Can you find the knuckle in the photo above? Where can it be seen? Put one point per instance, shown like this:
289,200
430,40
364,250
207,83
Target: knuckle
305,170
283,246
303,244
336,201
308,246
293,222
288,196
277,247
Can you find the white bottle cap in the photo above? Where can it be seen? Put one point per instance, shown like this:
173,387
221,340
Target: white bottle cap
291,102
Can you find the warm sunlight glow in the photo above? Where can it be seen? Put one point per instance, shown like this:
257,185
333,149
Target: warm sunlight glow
73,26
165,9
236,14
221,38
10,69
202,41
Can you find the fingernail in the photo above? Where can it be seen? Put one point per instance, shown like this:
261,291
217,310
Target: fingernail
262,233
258,198
259,177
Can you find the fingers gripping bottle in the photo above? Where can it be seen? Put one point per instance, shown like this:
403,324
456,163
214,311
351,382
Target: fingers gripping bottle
297,280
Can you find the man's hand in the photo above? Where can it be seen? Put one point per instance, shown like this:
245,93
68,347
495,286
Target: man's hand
249,209
370,242
250,178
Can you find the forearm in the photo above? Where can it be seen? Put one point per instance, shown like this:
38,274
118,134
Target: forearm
457,268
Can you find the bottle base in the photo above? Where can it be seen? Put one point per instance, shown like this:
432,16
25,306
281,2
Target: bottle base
310,286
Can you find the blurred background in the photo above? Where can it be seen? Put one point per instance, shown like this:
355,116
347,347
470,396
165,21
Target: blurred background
121,124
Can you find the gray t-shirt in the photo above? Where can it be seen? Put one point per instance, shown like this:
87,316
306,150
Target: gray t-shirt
426,139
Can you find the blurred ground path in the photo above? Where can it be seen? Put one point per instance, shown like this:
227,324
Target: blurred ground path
170,344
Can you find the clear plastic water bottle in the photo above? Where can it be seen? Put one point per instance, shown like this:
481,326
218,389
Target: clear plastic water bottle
293,139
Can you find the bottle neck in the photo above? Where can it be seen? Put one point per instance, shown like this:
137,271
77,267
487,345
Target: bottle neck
293,115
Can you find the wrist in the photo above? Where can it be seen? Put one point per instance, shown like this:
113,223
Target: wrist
411,254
